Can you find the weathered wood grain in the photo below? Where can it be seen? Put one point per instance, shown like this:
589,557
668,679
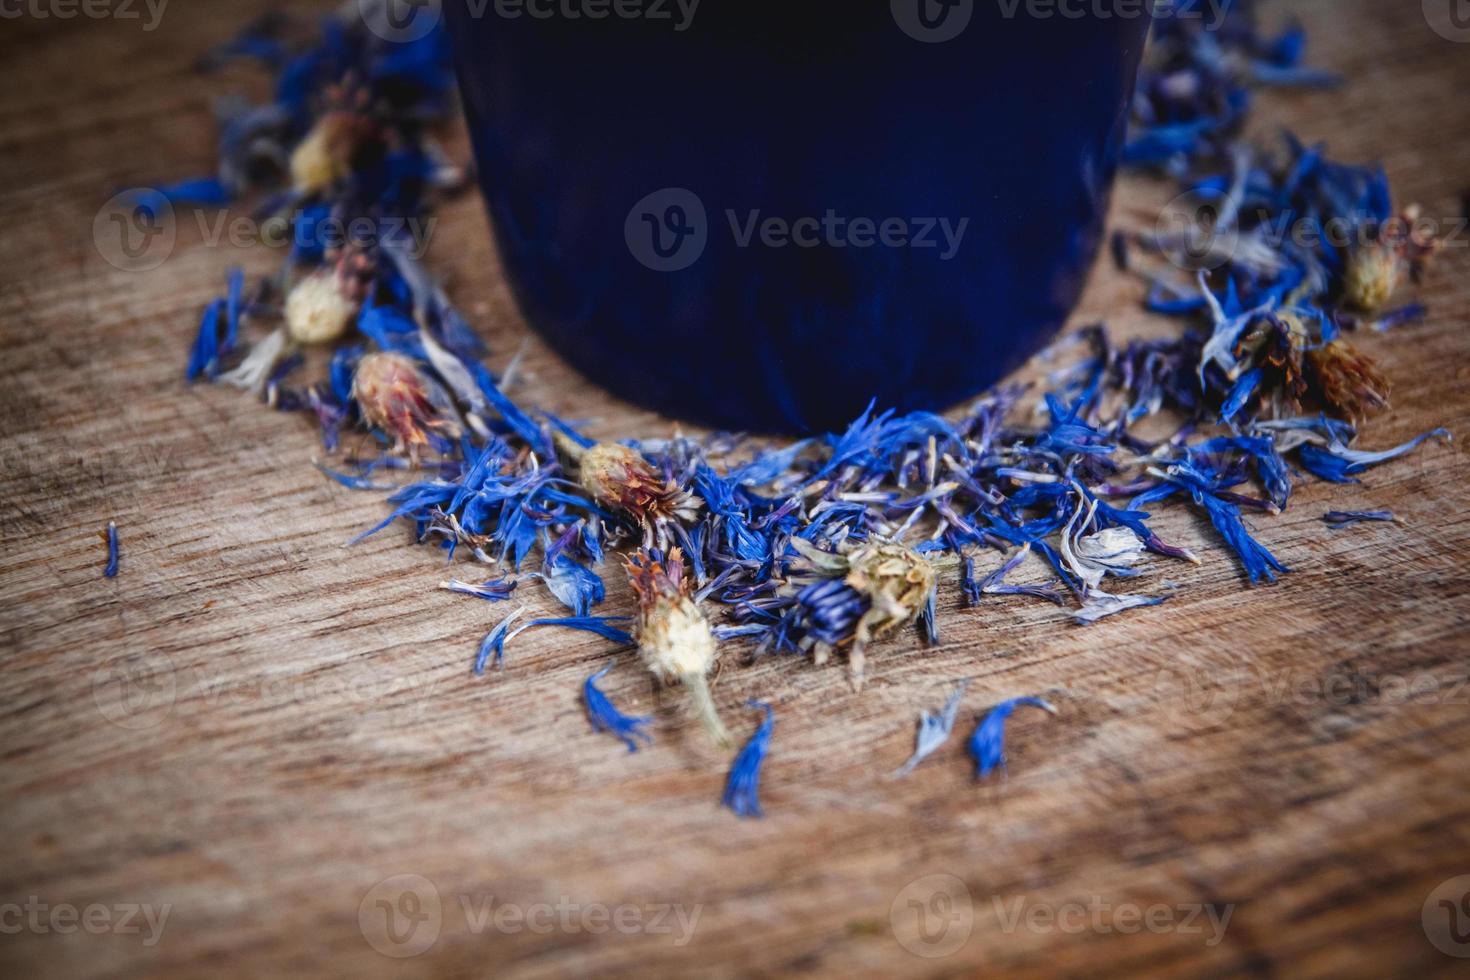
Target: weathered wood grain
306,724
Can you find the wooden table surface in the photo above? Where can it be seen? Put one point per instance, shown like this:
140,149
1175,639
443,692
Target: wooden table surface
256,729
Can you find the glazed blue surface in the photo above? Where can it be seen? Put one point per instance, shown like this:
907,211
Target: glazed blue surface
795,110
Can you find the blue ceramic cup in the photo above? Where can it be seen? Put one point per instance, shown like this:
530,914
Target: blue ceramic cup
763,214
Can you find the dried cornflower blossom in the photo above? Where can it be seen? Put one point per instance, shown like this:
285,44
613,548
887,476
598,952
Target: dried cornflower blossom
674,637
899,585
324,157
397,398
1347,380
895,582
1281,358
1417,241
1401,247
1374,272
1274,345
319,308
620,479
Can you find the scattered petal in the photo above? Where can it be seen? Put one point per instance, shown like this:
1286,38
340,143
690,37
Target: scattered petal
987,745
742,788
110,536
934,730
607,718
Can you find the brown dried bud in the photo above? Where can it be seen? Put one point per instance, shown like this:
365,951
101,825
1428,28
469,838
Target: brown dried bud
621,479
324,157
1402,245
395,396
318,309
1347,379
1276,343
674,637
897,581
1374,272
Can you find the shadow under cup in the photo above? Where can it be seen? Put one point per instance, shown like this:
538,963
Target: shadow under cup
763,214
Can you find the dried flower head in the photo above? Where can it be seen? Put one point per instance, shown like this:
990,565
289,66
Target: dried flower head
324,156
621,479
396,397
1420,244
892,580
1374,273
1275,345
897,582
674,637
320,308
1347,380
1402,246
